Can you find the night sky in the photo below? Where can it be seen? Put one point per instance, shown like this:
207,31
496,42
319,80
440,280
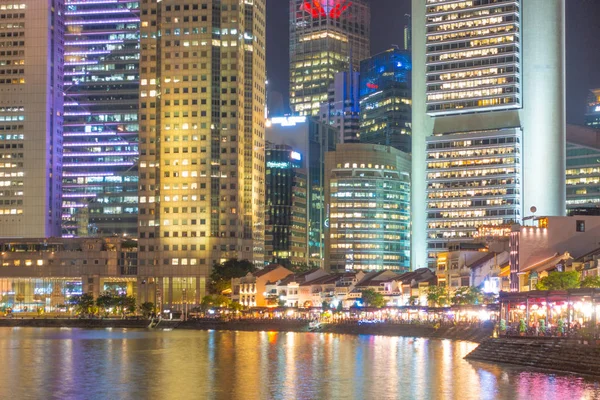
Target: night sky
387,21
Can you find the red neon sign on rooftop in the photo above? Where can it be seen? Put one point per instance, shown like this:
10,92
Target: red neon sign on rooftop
322,8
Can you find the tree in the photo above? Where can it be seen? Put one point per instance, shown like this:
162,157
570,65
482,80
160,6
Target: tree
126,304
83,304
437,295
340,307
221,275
591,282
215,300
467,295
105,301
325,305
559,281
147,309
372,298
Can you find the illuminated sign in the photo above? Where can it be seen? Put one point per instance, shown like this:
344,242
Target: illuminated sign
372,86
296,156
278,164
597,109
287,121
324,8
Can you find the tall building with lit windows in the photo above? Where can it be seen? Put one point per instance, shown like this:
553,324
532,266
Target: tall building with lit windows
488,117
385,99
31,109
100,177
583,169
202,148
592,114
326,37
367,194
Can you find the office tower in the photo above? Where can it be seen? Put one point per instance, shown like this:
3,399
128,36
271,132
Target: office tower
385,99
488,117
342,108
100,176
583,169
311,139
31,109
286,236
202,102
592,114
367,194
326,37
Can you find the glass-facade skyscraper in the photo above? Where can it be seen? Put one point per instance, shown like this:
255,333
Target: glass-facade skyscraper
286,234
367,194
100,177
385,99
487,113
326,37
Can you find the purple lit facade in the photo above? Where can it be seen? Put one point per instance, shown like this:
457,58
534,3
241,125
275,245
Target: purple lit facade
100,124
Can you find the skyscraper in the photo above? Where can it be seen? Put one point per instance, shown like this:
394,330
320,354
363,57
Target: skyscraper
342,108
326,37
100,177
488,117
385,99
592,114
286,235
367,194
31,109
202,151
311,139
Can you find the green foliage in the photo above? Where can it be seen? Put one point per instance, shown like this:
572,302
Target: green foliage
281,303
126,304
522,326
215,300
83,304
325,305
559,281
236,306
372,298
340,307
542,325
221,275
561,325
413,300
437,295
147,309
502,325
106,301
591,282
467,295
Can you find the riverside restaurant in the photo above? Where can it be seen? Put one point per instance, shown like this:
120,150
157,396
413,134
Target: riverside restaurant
571,308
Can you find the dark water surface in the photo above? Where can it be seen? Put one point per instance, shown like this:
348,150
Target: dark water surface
119,364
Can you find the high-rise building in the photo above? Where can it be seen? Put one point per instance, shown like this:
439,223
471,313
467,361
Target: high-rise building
202,148
311,139
100,176
326,37
286,236
592,114
385,99
342,108
31,117
367,194
583,168
488,112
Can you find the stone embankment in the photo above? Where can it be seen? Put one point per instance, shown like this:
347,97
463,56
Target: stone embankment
545,353
459,332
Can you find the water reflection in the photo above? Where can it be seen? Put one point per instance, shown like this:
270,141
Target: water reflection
119,364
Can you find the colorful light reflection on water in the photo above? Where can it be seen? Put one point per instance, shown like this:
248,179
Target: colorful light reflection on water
121,364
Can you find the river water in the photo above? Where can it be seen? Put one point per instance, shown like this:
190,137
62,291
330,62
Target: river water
136,364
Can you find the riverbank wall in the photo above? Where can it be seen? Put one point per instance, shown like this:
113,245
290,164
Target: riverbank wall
467,332
557,354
